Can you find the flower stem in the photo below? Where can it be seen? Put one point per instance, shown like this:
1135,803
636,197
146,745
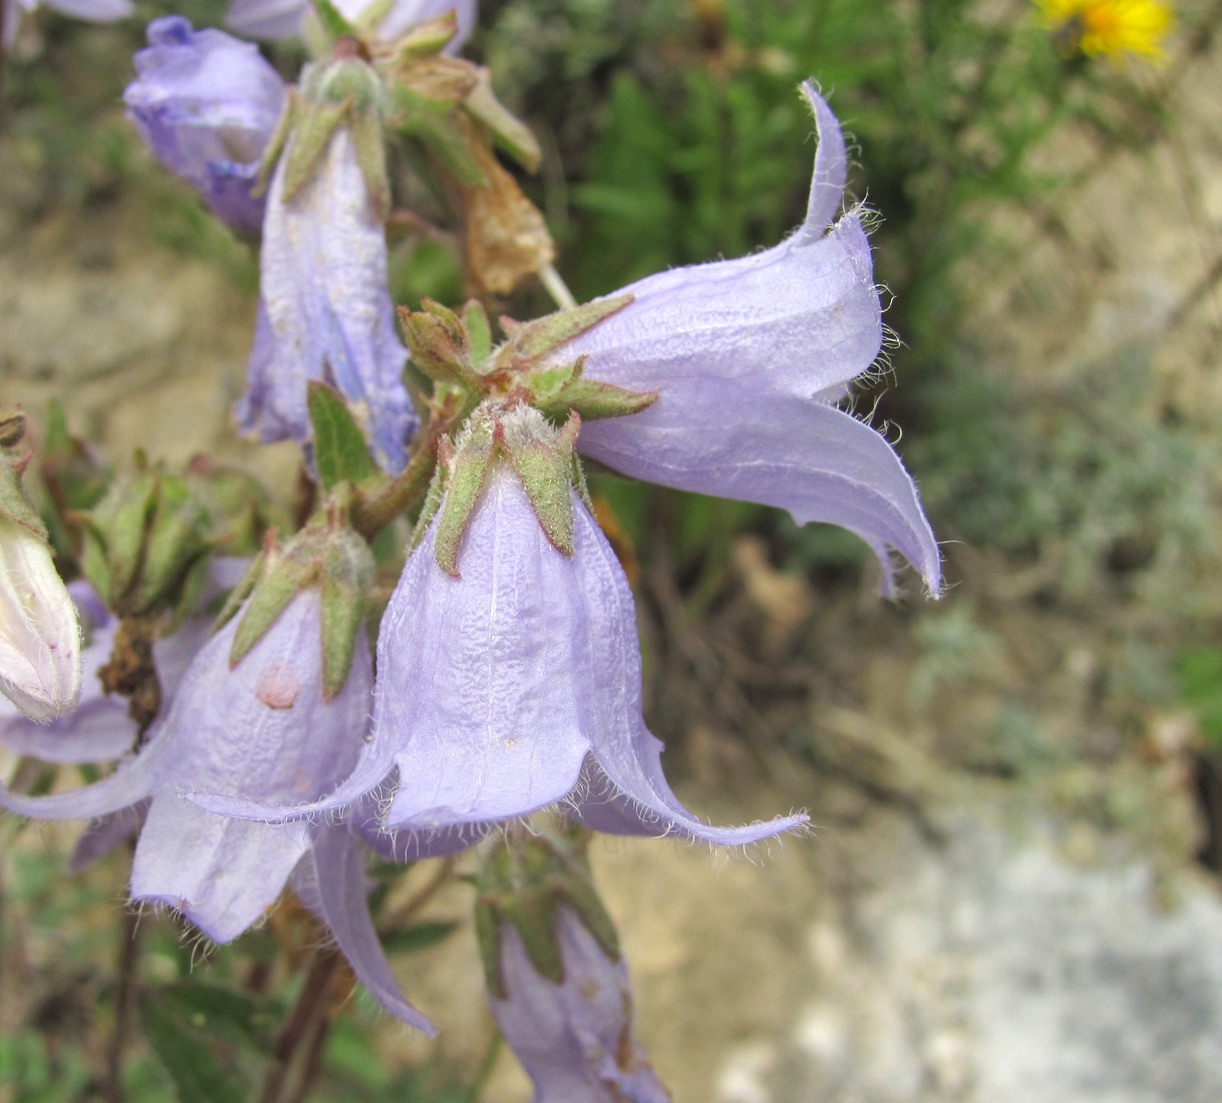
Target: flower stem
125,994
557,288
302,1035
372,513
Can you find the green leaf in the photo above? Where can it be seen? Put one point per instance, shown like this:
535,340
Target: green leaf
1200,678
340,449
194,1069
220,1012
417,937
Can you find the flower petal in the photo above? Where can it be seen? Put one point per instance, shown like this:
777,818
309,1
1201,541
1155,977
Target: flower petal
622,789
575,1038
818,462
325,311
221,874
331,882
798,319
105,834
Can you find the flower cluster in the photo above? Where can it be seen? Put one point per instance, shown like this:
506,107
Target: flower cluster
271,750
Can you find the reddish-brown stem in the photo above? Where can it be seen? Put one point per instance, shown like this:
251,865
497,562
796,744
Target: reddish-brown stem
125,995
301,1032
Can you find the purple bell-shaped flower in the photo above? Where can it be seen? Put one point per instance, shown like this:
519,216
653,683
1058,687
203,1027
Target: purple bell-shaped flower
207,104
749,358
264,729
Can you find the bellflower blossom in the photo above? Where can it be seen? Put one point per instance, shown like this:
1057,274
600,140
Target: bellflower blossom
263,729
283,18
95,11
574,1038
40,639
511,688
325,310
749,358
207,104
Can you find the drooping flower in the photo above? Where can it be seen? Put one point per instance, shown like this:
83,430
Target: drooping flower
207,104
1109,28
511,688
574,1038
94,11
749,358
283,18
556,978
264,729
40,639
325,310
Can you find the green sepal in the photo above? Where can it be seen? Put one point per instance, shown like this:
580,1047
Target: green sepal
15,503
468,469
424,39
433,124
531,340
488,938
544,468
316,123
340,449
176,542
591,399
332,20
118,526
508,131
277,142
347,575
370,143
244,588
525,883
479,332
432,503
283,578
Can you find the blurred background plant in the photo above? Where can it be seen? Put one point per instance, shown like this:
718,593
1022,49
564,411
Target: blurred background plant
1067,455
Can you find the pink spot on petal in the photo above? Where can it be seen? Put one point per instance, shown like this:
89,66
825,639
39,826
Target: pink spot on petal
277,686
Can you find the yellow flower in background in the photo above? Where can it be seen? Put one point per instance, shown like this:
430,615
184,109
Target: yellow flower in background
1109,27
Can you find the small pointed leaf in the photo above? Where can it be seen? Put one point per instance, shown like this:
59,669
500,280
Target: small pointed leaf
542,335
340,448
508,131
469,469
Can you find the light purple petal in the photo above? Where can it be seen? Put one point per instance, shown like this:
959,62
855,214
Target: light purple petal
331,882
325,311
831,168
97,11
410,846
105,834
266,18
816,461
284,18
625,768
799,318
130,783
221,874
746,357
207,105
575,1038
482,681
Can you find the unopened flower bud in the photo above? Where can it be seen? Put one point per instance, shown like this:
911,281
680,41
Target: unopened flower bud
40,654
144,541
557,983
